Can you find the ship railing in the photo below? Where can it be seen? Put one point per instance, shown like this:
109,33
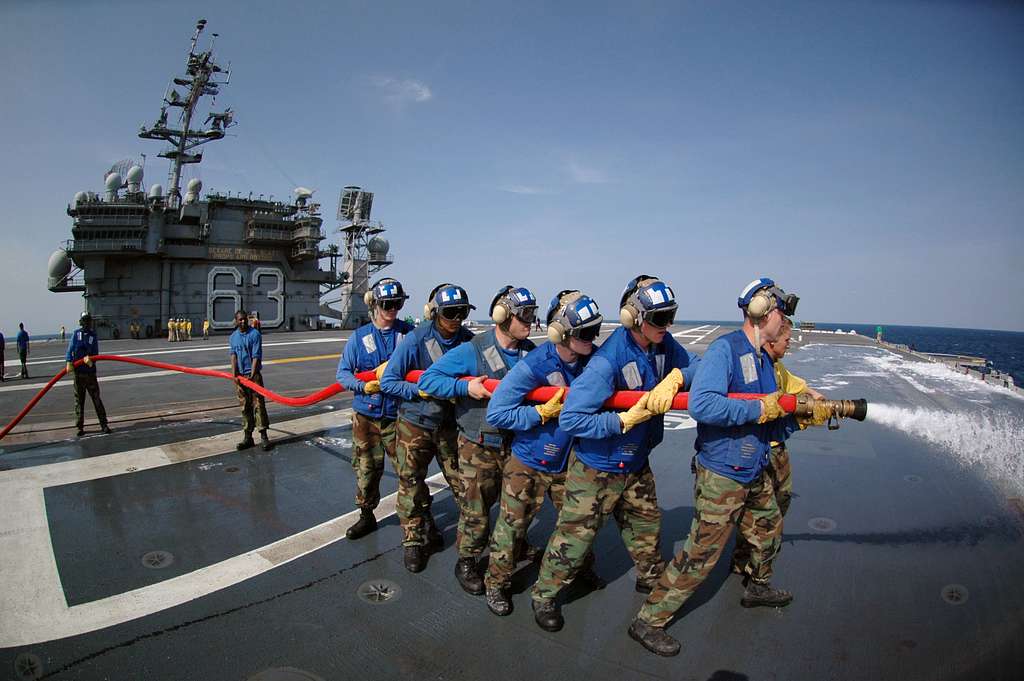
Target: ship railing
111,220
307,232
267,234
107,245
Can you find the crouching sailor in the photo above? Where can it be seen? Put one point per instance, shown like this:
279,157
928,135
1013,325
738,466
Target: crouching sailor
426,425
483,448
373,412
733,438
540,449
608,472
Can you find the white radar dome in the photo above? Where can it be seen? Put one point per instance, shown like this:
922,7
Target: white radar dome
135,174
80,197
378,245
303,192
113,182
156,191
59,265
195,184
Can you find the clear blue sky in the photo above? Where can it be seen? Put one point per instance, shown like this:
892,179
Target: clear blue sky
869,155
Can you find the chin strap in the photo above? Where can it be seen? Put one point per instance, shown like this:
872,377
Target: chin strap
757,341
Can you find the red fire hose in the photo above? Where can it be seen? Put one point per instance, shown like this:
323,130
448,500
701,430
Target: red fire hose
623,399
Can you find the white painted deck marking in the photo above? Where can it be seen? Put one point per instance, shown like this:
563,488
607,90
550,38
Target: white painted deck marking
31,596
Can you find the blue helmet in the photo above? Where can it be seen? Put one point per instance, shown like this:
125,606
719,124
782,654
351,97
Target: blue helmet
450,300
571,313
761,296
647,299
509,302
386,289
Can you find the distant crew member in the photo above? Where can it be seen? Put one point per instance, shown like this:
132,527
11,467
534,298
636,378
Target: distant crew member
426,425
170,328
188,330
255,320
609,473
63,334
83,346
733,444
23,343
3,346
206,329
247,360
373,412
483,448
540,448
778,468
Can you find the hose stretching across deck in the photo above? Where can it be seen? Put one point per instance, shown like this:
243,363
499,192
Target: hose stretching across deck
624,399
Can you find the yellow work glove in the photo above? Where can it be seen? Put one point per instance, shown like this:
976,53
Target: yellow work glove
424,395
660,397
552,408
371,387
636,414
379,371
771,410
69,367
819,417
88,360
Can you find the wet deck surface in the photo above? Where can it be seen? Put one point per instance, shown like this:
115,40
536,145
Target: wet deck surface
904,562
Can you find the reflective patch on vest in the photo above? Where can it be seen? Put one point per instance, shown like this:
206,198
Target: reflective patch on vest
433,349
628,450
369,344
749,368
493,359
748,448
552,449
631,375
556,379
659,362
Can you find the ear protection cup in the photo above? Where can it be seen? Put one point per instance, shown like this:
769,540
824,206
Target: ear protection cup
430,309
499,311
629,315
557,331
368,297
760,305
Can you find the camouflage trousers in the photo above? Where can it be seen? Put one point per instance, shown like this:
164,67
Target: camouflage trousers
522,495
480,469
416,448
590,497
372,440
782,481
719,503
254,406
87,383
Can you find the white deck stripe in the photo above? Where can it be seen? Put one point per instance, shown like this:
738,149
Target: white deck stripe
31,596
705,335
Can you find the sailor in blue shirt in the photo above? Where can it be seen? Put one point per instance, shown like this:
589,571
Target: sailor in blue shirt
373,413
83,346
426,425
483,448
733,442
22,341
608,471
2,348
540,448
247,360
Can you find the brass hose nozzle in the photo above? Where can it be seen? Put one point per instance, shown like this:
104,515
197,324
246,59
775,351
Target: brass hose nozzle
837,409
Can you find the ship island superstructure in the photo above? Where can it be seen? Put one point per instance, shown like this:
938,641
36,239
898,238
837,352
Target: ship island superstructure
145,256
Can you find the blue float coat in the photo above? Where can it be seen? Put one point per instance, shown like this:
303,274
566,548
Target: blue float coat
540,446
247,347
22,340
620,364
83,343
367,348
730,442
442,378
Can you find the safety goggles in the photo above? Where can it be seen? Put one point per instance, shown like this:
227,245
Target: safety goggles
455,312
587,334
391,304
527,315
660,318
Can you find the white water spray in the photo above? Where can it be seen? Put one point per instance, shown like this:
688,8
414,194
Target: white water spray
992,443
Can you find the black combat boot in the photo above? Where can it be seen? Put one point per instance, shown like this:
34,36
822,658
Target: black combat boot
589,578
265,444
762,594
106,429
415,558
435,540
548,615
498,602
653,638
468,577
529,552
246,442
645,586
81,432
366,524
